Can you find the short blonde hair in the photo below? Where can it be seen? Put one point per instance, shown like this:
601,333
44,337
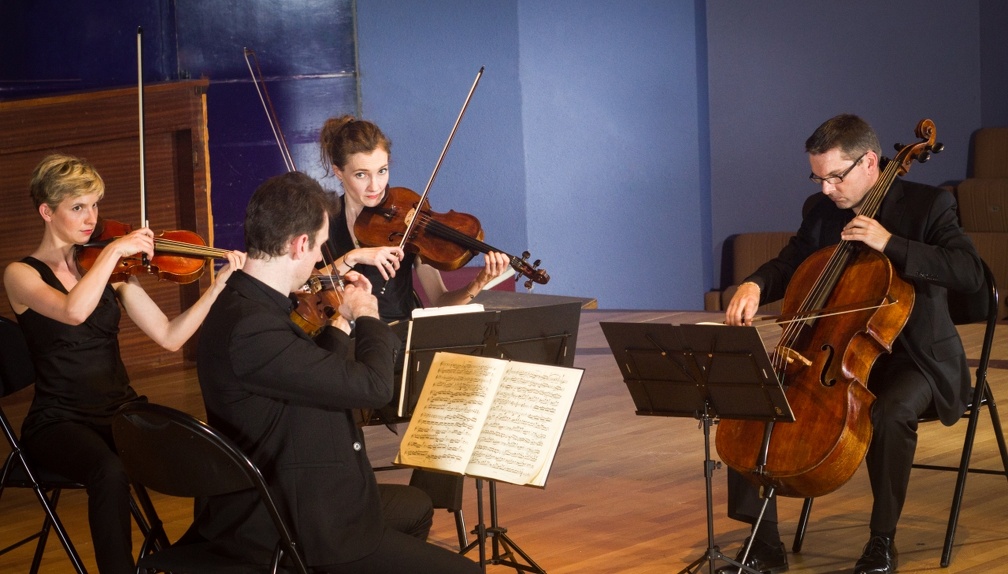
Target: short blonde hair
59,176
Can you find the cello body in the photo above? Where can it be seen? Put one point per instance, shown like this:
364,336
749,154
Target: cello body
824,366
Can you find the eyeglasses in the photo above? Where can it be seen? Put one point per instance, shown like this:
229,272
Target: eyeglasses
835,179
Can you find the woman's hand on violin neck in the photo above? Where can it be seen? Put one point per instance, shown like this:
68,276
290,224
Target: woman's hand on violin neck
386,259
236,260
357,298
495,264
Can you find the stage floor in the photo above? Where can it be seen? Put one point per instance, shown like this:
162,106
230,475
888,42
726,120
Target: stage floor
626,492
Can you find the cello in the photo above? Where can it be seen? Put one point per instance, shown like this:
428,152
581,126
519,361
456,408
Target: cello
843,308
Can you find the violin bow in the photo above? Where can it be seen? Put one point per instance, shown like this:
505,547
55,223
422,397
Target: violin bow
143,167
271,116
437,166
267,104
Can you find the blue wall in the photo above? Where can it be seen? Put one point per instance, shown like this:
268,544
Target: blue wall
581,143
620,142
778,69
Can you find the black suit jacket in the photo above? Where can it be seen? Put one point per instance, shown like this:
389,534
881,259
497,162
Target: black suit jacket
285,399
930,251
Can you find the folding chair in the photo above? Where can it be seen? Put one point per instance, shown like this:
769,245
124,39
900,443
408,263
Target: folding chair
174,453
964,309
16,373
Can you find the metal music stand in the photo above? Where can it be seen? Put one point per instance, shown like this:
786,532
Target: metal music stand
545,335
703,372
464,333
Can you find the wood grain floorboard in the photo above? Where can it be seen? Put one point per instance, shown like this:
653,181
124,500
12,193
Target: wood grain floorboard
626,493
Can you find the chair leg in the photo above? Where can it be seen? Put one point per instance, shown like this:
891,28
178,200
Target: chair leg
998,430
461,529
960,486
53,521
43,535
799,536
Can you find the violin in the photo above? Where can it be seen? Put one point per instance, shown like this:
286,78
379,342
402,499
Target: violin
179,256
849,305
318,302
445,241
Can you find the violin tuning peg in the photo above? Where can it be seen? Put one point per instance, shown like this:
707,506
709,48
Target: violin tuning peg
938,147
536,264
898,146
525,255
923,157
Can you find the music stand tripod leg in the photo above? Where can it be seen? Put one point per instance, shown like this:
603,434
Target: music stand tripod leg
713,553
502,547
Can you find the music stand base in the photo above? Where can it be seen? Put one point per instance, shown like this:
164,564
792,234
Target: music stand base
711,557
503,549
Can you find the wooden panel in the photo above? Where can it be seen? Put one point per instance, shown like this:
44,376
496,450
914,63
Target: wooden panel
103,128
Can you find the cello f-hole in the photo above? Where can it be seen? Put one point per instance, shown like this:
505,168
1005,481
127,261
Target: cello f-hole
827,382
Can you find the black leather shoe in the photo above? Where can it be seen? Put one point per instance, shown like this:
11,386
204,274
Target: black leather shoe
763,557
879,557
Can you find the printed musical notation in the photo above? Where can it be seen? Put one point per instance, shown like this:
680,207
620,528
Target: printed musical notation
490,418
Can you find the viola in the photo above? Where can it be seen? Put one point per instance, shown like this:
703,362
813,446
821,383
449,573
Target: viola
849,304
179,256
445,241
318,302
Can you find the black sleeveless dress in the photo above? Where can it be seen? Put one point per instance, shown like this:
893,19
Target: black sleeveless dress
399,299
81,376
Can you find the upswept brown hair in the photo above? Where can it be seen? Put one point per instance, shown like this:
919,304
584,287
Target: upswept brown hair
344,136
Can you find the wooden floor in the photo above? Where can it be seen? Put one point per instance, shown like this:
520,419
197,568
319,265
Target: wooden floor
626,493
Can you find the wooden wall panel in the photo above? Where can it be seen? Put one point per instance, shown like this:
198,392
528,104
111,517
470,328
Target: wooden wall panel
103,128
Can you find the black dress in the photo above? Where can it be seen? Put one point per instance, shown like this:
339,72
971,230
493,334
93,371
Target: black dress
80,383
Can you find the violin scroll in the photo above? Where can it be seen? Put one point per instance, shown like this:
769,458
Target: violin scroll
531,272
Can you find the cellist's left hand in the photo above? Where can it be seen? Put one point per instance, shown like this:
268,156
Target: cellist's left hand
867,231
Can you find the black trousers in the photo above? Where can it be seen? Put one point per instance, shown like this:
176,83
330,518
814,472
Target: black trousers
903,394
86,454
400,553
406,509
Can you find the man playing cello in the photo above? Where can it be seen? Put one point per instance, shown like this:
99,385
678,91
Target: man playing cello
917,229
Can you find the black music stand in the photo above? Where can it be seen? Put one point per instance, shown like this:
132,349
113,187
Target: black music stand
545,335
463,333
702,372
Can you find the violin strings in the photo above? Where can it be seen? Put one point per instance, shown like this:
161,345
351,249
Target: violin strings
452,234
182,248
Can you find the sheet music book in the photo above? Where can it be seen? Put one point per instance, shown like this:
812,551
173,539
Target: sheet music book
490,418
410,365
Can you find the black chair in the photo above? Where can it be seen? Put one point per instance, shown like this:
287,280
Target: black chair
16,373
174,453
964,309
